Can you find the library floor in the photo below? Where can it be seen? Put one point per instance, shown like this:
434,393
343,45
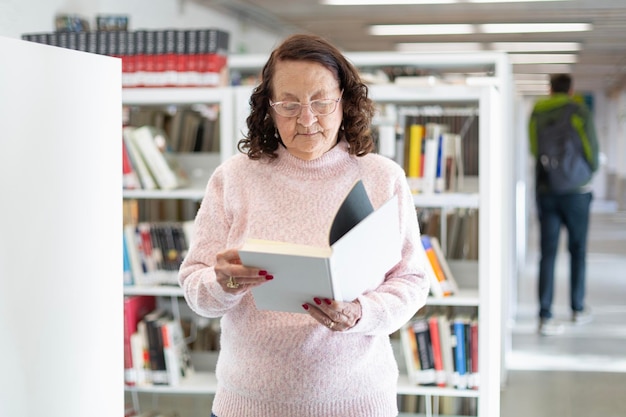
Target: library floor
582,372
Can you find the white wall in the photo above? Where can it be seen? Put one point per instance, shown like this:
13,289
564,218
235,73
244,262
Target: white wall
30,16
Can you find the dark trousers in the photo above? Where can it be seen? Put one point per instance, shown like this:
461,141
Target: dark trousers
572,211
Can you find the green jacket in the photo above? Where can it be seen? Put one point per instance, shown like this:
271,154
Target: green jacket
582,120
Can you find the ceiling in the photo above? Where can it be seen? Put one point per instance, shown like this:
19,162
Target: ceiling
601,60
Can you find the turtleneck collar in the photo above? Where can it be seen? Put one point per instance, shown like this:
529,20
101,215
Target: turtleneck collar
329,164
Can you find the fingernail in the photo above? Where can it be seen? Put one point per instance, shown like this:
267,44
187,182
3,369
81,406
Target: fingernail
317,301
327,301
269,277
305,306
262,272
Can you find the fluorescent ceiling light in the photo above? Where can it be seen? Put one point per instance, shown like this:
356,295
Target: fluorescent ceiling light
401,2
534,46
533,27
488,46
466,29
439,47
543,58
394,30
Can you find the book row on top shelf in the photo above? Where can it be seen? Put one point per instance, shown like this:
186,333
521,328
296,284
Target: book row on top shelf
154,58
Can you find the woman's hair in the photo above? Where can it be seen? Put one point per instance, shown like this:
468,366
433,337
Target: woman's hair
262,138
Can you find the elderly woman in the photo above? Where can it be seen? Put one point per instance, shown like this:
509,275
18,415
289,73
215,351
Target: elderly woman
308,142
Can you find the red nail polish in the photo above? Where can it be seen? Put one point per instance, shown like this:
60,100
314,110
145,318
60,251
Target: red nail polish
269,277
262,272
317,301
305,306
327,301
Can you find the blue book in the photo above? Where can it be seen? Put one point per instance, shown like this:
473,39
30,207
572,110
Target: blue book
460,358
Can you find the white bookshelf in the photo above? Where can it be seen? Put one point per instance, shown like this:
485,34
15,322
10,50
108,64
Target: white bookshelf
482,283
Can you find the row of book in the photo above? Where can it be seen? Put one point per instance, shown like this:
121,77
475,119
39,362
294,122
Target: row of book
460,229
154,58
442,351
432,162
148,161
155,349
153,251
193,128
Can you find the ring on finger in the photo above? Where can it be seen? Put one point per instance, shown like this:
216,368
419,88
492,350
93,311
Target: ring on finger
331,324
232,283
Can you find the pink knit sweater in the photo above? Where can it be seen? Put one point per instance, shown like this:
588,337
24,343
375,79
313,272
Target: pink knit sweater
275,364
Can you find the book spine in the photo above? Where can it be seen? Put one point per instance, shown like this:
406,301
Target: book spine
434,262
426,375
435,339
460,353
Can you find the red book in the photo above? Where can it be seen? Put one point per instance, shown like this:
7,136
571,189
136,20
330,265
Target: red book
435,340
135,308
474,354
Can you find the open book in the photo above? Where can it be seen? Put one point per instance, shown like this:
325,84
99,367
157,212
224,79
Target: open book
364,244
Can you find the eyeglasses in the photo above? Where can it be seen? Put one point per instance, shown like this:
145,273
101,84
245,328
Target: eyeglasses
322,107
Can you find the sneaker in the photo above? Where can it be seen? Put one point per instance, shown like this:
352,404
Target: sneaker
550,327
582,317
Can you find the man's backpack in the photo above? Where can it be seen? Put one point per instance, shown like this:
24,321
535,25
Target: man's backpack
561,153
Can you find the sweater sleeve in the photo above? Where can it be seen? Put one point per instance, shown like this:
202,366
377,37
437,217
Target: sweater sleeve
197,274
405,287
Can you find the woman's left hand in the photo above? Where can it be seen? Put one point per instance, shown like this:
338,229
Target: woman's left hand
336,315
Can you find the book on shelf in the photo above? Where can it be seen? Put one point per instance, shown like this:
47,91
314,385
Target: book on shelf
437,260
153,146
474,379
302,272
130,179
158,369
176,353
135,309
411,355
137,162
435,340
427,373
459,350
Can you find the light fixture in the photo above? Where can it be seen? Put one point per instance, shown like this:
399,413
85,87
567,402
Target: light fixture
439,47
543,58
466,29
533,27
416,2
395,30
511,47
534,46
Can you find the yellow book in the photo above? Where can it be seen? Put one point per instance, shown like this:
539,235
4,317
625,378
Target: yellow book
416,135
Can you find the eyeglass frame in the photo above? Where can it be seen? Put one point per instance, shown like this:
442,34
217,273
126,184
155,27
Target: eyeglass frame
335,100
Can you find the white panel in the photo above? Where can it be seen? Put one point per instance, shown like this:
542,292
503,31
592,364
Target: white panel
61,350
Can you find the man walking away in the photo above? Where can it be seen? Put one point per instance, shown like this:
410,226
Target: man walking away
564,143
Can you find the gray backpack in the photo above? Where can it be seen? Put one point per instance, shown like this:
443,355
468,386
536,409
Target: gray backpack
561,154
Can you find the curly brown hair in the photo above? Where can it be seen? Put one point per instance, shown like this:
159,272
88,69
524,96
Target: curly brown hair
358,108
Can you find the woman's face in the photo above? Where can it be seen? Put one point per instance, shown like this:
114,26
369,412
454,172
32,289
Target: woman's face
307,136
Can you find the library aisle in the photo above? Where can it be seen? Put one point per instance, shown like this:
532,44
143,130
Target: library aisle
582,372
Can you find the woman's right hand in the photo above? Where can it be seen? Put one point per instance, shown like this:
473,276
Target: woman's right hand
234,277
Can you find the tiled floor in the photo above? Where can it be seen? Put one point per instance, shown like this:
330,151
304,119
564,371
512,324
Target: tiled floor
581,373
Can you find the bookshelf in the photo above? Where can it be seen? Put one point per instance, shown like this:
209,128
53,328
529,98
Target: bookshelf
483,283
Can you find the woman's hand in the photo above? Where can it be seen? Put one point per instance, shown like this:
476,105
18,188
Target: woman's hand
235,278
336,315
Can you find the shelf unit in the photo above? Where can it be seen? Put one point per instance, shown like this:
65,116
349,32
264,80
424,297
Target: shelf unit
492,271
